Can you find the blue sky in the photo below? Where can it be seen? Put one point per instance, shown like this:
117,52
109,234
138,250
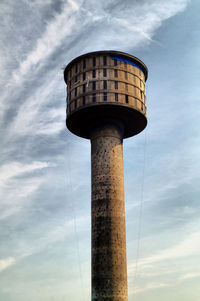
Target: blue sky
45,170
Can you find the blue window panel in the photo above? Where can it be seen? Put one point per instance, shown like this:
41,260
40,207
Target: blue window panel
126,61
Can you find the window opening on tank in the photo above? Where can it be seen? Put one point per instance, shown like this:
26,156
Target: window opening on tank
88,81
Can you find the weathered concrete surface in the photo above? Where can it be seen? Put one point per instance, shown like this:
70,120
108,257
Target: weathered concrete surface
109,271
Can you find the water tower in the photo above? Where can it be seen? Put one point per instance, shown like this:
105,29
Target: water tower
106,102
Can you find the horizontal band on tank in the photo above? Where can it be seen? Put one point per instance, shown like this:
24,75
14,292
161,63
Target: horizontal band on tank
103,77
85,100
124,80
135,86
101,94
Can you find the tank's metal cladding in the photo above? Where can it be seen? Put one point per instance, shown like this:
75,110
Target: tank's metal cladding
106,102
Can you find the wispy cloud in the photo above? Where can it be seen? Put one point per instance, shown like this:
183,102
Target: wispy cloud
14,169
56,233
165,268
70,26
188,247
187,276
19,180
6,262
55,32
135,23
35,116
149,286
142,22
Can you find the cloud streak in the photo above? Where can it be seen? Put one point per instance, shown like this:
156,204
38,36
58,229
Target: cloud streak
15,169
149,286
188,247
19,180
135,25
142,22
55,234
55,32
6,263
187,276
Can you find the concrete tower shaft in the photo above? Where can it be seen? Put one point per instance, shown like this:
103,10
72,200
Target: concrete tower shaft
109,272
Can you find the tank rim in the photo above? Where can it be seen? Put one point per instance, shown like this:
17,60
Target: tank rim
121,53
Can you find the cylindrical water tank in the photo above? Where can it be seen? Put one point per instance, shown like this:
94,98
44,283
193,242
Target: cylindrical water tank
104,86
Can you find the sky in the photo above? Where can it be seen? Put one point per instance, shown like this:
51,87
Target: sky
45,226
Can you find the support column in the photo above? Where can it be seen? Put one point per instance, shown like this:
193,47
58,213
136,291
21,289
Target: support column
109,270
